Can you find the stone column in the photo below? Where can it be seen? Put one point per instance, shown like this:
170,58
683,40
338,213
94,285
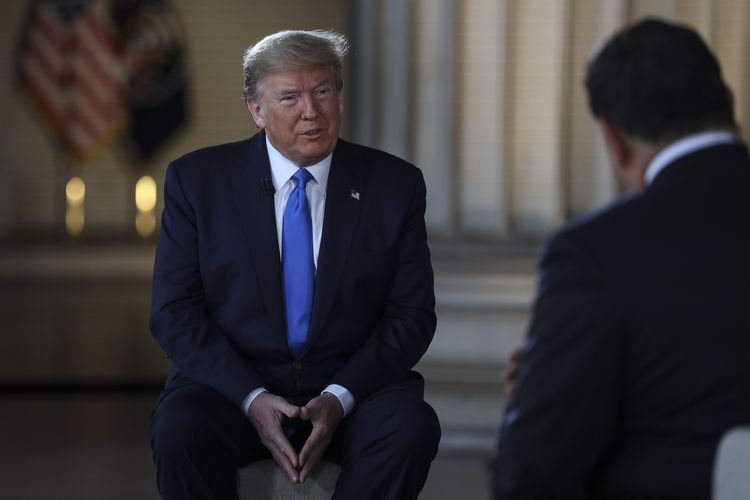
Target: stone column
539,76
395,78
433,109
480,107
365,63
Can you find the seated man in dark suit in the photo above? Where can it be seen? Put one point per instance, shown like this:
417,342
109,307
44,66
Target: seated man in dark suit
637,357
293,293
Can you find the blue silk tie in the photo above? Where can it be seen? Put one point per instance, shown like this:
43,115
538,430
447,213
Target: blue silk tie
297,260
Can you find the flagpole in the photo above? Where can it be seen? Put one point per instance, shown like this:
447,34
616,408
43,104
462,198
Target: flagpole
63,173
61,200
132,211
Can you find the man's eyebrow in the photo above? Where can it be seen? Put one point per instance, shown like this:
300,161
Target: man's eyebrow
321,83
291,89
295,89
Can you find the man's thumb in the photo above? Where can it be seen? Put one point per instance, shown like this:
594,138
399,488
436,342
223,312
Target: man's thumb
289,409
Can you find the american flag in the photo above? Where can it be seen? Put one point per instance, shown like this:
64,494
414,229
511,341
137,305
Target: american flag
72,68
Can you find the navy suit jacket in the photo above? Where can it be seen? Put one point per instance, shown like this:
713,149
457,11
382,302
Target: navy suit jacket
218,307
639,345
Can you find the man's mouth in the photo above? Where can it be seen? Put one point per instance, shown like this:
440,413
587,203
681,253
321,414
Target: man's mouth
313,133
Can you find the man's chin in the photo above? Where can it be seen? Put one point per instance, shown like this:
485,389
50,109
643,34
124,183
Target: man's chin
312,156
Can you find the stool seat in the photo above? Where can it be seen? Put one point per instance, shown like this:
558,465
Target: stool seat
264,480
731,480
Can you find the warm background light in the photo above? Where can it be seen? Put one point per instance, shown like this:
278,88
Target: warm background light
75,191
145,194
74,220
145,202
145,223
75,195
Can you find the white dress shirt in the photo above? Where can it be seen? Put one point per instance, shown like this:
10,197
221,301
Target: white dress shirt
685,146
282,170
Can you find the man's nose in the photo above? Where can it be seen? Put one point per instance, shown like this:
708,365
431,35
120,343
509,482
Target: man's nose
310,107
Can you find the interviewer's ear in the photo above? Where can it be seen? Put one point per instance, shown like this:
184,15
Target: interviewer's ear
616,142
730,98
629,156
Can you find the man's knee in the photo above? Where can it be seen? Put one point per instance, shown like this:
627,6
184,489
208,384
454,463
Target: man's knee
192,419
176,424
410,427
420,429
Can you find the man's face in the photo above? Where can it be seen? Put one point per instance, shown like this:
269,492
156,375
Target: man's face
300,111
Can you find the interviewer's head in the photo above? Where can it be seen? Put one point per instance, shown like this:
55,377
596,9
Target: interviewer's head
649,85
658,81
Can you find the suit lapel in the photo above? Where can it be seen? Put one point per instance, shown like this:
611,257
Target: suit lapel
257,213
344,198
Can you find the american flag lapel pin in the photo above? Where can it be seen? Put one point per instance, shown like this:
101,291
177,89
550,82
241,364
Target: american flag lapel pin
354,194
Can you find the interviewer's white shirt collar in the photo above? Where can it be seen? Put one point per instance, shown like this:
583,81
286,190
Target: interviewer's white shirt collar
685,146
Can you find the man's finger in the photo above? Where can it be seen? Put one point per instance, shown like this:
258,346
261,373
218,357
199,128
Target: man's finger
282,444
267,402
311,410
286,465
325,413
266,413
287,408
309,466
313,453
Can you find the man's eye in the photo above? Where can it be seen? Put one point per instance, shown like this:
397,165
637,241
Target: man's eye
323,91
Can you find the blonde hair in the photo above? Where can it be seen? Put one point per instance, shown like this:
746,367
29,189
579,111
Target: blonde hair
290,50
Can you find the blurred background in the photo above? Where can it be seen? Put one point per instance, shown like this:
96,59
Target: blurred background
96,97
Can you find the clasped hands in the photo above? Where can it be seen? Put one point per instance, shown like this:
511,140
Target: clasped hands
324,413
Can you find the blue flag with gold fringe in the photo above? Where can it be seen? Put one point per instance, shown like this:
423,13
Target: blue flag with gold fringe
153,41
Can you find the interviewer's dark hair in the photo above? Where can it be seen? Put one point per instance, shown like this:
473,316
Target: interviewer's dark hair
658,82
290,50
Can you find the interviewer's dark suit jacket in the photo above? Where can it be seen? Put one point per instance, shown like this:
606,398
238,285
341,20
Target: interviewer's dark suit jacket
218,307
639,346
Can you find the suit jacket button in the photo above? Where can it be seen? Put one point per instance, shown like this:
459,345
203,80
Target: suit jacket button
297,365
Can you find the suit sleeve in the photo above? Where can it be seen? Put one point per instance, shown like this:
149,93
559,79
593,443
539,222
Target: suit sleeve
179,319
561,417
408,321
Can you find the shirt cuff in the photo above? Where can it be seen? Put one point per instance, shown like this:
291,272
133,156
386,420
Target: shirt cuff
251,397
344,396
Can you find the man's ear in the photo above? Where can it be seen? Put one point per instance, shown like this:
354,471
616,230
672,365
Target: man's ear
257,113
617,143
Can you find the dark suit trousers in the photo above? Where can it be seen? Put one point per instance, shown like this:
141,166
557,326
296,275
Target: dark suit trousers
384,446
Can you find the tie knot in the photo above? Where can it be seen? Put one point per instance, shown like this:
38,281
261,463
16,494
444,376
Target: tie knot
301,177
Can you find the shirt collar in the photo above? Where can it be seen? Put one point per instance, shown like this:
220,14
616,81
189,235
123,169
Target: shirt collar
283,168
683,147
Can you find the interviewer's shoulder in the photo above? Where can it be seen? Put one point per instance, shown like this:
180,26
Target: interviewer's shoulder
603,227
